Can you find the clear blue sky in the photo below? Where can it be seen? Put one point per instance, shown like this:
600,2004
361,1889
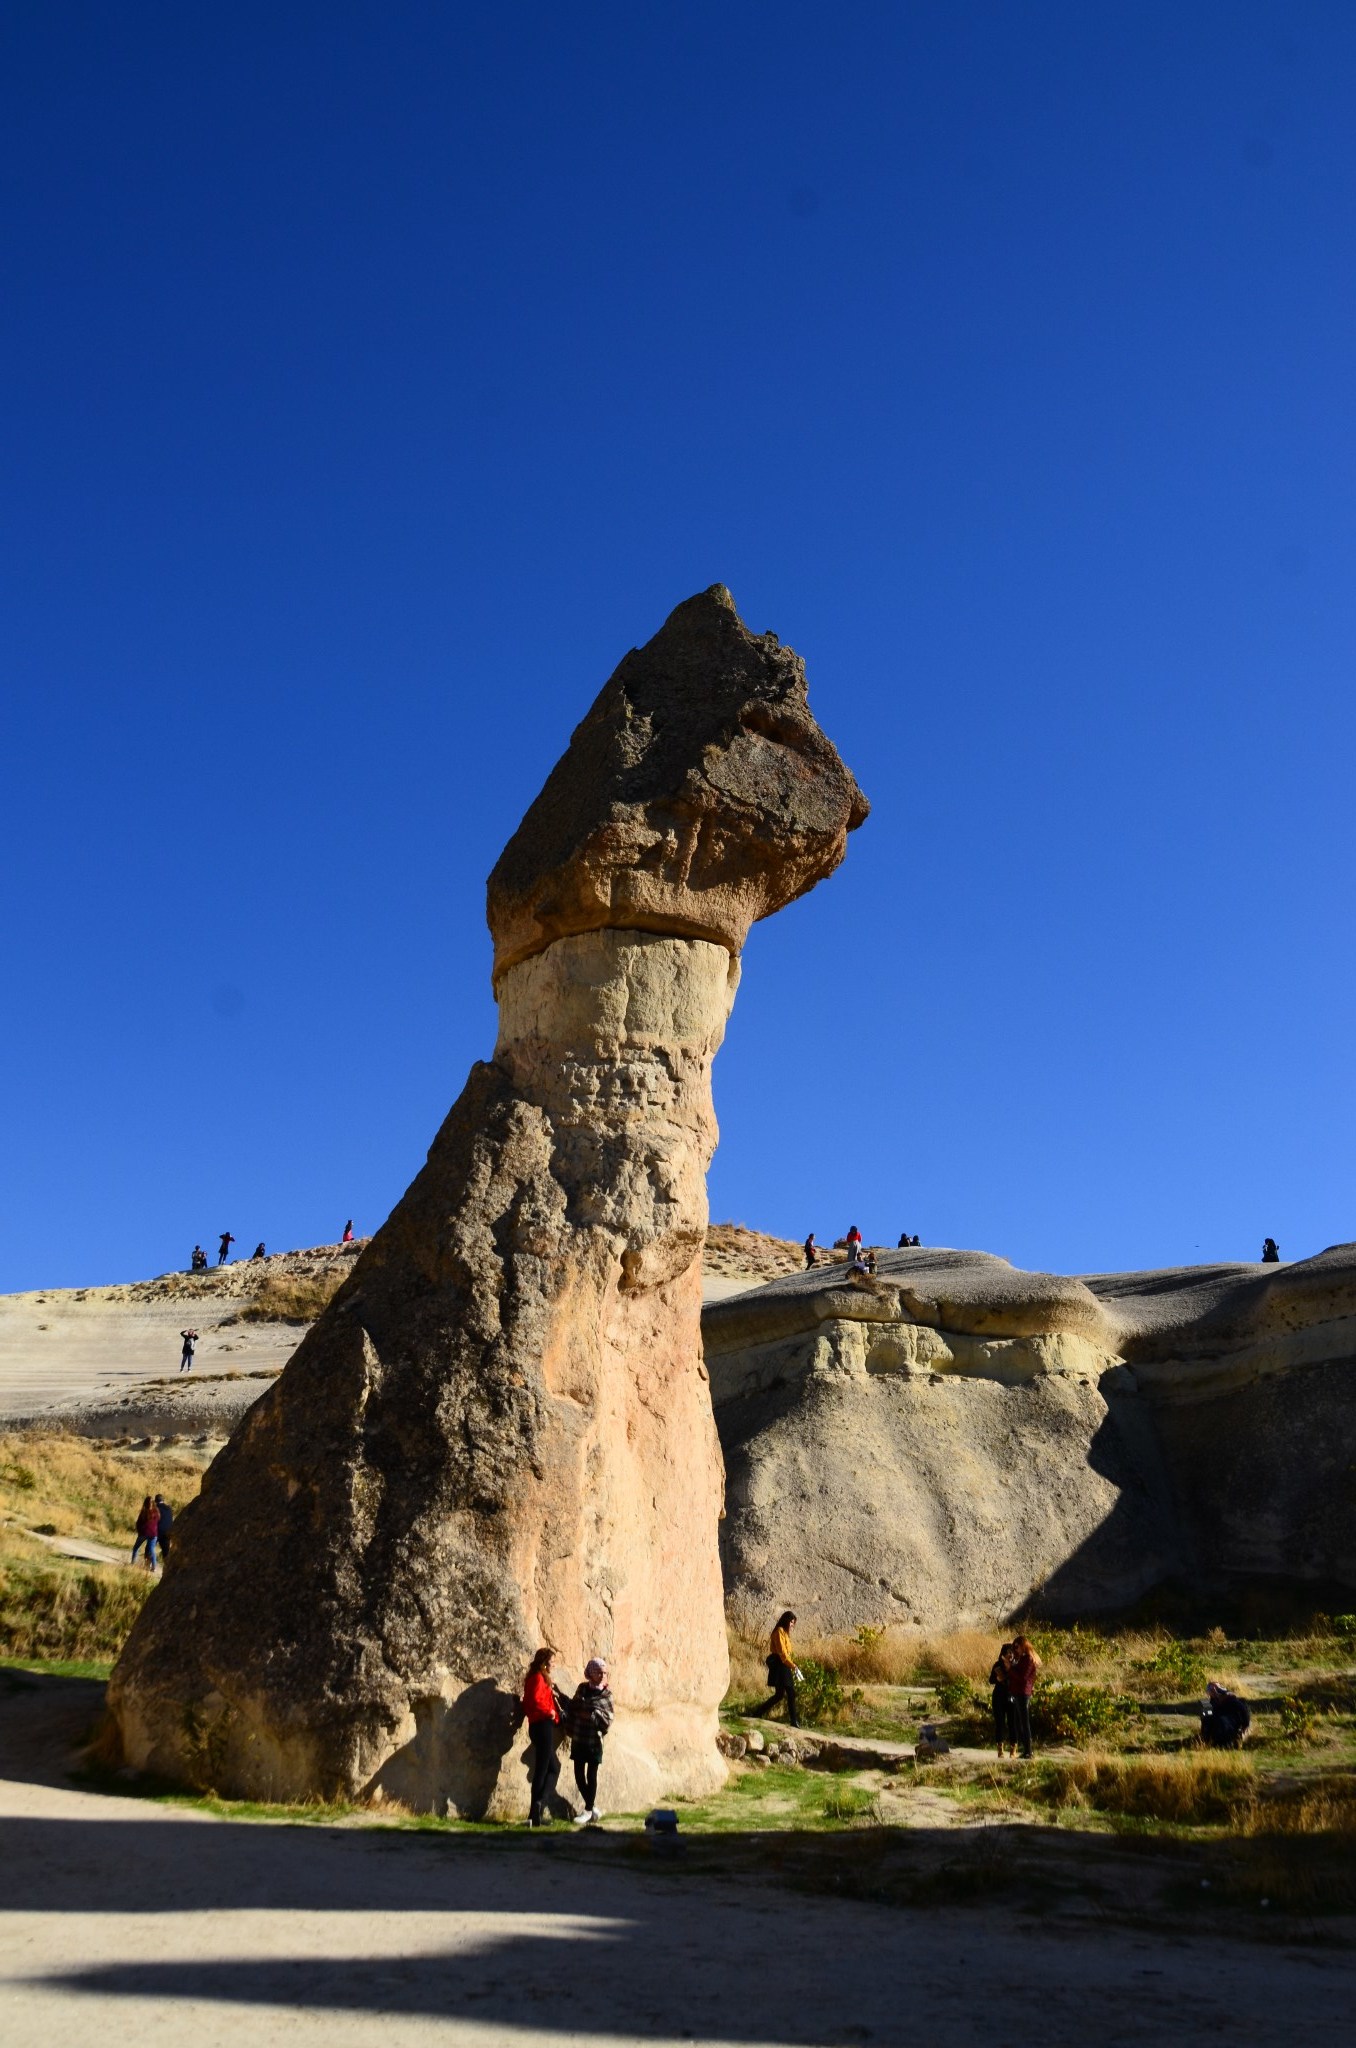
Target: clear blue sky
374,377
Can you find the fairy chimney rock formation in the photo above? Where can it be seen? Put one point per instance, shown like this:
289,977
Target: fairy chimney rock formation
499,1433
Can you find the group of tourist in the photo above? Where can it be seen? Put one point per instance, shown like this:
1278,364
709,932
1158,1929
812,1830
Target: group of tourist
198,1262
155,1524
583,1718
859,1259
1012,1677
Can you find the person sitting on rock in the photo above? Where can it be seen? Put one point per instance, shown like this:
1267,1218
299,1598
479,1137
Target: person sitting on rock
190,1338
904,1240
1022,1668
782,1674
1271,1255
259,1252
542,1708
589,1719
199,1261
869,1261
811,1250
1225,1718
853,1240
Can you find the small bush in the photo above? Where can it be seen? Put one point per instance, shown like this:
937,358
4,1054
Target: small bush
955,1695
1062,1711
848,1802
1192,1790
1297,1717
283,1300
1173,1667
820,1695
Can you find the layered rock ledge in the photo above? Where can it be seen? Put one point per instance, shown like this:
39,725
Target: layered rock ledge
957,1441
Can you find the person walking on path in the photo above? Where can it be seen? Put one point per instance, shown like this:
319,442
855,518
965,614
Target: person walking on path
347,1237
543,1721
782,1673
589,1720
165,1525
1003,1728
148,1528
811,1251
224,1247
1022,1668
190,1338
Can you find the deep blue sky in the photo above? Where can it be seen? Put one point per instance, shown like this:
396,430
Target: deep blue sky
374,377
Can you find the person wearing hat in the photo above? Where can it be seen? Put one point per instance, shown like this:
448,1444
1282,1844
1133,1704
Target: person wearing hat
590,1717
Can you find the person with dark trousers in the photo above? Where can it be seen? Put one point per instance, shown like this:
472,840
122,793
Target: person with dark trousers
542,1708
259,1251
224,1247
190,1338
166,1525
781,1671
811,1249
1225,1719
148,1528
590,1717
199,1262
1271,1254
1003,1729
1022,1668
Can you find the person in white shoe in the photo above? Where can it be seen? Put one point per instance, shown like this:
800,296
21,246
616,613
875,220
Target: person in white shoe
590,1717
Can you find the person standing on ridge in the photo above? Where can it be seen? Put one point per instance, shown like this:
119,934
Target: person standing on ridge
190,1338
811,1249
224,1247
782,1673
347,1237
543,1721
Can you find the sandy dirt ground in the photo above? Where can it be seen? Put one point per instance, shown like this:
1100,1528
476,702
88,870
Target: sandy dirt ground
126,1921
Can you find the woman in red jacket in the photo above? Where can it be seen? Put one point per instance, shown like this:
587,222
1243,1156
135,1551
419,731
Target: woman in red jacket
543,1721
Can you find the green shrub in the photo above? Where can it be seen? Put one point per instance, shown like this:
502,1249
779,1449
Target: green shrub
1344,1627
956,1695
1177,1663
1062,1711
820,1695
1297,1718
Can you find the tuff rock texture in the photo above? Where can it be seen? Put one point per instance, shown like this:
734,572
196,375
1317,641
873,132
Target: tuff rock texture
957,1441
500,1433
697,796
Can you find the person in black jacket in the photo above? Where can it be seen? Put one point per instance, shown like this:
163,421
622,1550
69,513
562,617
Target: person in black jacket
165,1530
1004,1721
1226,1718
590,1717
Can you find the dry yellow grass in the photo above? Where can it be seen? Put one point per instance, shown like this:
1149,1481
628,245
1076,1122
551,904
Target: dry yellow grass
286,1298
67,1486
1194,1788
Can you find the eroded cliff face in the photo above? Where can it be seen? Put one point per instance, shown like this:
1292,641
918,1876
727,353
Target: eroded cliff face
957,1441
500,1433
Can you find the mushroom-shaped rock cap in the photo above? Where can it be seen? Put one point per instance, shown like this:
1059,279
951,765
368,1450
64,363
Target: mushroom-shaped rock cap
697,796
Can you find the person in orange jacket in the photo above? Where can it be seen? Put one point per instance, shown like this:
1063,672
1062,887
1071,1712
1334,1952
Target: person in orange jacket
542,1709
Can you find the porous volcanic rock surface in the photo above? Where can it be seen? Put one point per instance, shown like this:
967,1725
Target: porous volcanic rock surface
500,1432
957,1441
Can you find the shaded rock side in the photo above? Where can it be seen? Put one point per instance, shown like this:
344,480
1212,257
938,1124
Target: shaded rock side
498,1434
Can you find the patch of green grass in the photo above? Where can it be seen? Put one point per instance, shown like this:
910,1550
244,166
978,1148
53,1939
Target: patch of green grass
99,1668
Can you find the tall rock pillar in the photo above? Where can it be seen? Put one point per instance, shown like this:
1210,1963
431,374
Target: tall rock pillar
499,1433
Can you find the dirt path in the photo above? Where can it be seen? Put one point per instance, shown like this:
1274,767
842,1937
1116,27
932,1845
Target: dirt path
125,1921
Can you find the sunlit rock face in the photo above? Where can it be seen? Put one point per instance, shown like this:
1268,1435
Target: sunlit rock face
499,1433
957,1442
